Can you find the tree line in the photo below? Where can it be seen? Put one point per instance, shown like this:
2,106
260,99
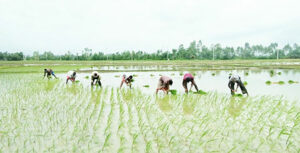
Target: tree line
196,50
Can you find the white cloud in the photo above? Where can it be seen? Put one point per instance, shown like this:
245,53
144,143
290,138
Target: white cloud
61,25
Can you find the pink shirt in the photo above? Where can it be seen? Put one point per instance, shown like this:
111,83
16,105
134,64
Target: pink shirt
165,79
188,75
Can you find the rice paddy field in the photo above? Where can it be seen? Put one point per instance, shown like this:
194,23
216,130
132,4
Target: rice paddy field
41,115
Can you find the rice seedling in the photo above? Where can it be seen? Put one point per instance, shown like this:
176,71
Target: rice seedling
135,75
245,83
87,77
291,82
268,82
238,95
181,73
117,76
48,116
213,74
201,92
279,73
246,73
152,75
146,86
279,82
173,92
272,73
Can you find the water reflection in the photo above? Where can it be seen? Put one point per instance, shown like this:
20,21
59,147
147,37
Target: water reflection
50,84
256,80
74,88
164,103
126,95
188,106
96,95
236,105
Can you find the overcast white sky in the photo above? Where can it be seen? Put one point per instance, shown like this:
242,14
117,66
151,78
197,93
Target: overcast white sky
148,25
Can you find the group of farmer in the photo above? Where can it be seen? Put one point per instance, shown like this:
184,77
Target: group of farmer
164,82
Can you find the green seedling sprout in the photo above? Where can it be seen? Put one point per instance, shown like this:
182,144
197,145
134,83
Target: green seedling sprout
201,92
238,95
268,82
281,82
291,82
173,92
272,73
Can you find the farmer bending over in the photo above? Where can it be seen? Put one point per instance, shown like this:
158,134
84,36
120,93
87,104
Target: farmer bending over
126,80
164,84
49,72
71,76
188,77
95,77
236,79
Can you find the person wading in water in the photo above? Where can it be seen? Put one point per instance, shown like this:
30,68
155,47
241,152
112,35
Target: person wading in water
95,78
127,80
49,72
164,84
188,77
235,79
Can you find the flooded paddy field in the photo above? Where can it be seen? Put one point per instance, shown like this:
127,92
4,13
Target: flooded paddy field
120,66
209,81
41,115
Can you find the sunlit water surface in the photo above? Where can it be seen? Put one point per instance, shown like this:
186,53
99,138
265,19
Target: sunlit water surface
207,81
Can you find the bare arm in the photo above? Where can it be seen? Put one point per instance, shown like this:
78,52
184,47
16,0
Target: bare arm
54,75
166,89
157,90
121,84
195,85
44,74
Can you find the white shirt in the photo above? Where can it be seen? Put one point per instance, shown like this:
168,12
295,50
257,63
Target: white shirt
95,72
70,74
235,78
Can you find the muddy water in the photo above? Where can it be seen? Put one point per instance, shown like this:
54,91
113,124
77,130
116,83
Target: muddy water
208,81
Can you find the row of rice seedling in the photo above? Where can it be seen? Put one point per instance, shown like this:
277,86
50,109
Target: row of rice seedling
281,82
48,116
